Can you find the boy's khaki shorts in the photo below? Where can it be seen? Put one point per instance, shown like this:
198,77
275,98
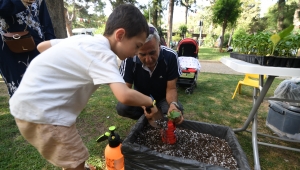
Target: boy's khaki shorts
60,145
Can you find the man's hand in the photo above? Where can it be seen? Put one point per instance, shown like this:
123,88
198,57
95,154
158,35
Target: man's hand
178,120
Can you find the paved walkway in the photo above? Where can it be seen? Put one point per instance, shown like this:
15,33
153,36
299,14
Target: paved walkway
216,67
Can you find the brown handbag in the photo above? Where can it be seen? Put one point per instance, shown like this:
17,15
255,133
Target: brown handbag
20,42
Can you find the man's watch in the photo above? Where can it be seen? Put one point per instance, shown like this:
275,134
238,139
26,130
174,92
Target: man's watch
176,104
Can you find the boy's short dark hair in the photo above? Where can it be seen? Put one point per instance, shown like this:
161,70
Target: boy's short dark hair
130,18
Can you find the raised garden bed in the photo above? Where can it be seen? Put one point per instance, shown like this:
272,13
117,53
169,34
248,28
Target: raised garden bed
199,146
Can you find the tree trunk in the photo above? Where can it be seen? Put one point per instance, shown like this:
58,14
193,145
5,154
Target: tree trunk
210,29
296,20
68,22
281,4
155,13
222,36
56,12
170,21
185,14
229,41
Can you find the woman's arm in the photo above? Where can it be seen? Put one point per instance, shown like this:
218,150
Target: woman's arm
11,7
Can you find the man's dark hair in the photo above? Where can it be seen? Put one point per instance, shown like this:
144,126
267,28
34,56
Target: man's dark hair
128,17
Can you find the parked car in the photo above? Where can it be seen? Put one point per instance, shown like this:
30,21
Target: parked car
86,31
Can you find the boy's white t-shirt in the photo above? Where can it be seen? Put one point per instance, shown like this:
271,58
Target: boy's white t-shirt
59,82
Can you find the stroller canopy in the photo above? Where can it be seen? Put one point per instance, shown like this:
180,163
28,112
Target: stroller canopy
188,47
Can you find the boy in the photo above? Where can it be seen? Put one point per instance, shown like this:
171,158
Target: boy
58,83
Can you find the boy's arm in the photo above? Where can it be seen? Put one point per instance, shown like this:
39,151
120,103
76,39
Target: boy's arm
132,97
47,44
43,46
129,96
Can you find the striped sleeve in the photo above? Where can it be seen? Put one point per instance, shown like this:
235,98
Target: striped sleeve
122,67
126,70
174,62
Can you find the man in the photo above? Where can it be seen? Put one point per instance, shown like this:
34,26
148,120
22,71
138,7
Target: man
153,72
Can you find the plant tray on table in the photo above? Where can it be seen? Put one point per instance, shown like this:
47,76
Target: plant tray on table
198,146
275,50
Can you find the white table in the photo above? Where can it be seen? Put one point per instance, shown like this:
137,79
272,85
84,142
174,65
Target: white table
272,72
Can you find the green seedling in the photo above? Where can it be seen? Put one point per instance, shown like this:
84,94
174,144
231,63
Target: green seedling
275,38
174,114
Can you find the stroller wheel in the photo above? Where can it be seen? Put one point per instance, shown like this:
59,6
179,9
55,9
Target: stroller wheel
189,91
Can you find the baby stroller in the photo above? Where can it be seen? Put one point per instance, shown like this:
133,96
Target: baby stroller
189,64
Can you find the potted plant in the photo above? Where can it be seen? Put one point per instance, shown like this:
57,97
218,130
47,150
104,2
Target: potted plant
168,130
264,48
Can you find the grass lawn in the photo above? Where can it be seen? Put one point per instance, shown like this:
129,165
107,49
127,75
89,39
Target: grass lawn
206,53
211,102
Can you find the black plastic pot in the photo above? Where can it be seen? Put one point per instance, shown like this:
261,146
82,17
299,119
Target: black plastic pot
244,57
262,60
271,61
283,62
296,63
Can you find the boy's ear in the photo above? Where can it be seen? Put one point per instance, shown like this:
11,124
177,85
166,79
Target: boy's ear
120,34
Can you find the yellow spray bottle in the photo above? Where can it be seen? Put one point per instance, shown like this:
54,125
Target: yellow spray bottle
114,158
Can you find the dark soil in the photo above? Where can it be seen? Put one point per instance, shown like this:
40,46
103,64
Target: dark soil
190,144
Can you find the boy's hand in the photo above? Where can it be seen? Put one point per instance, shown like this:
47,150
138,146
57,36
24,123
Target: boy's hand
149,115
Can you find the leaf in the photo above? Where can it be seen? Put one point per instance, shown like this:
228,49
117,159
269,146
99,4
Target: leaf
174,114
275,38
286,31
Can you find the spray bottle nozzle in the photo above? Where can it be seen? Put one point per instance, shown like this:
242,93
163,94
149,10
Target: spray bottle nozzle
103,137
106,135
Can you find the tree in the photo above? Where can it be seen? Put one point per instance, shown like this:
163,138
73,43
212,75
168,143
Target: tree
250,12
73,9
154,10
88,20
288,13
280,18
56,11
170,21
115,3
225,12
187,6
183,30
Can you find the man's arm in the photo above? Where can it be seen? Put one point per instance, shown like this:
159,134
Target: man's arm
171,96
171,91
